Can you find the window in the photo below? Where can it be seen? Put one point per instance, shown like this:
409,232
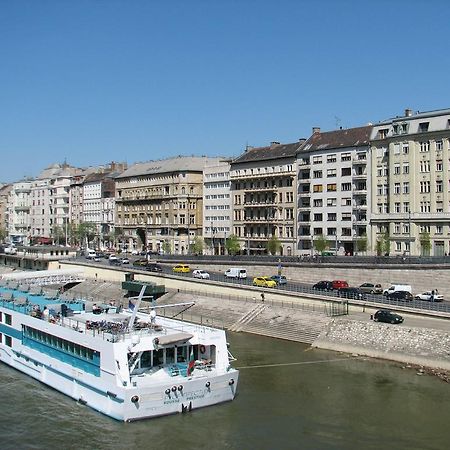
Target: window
405,168
317,174
397,149
423,127
317,217
424,166
331,231
439,145
317,231
405,228
346,217
346,186
396,188
439,206
425,207
346,171
396,228
331,202
439,186
425,146
397,207
406,207
439,229
346,157
382,133
397,169
398,246
331,217
424,187
379,189
346,201
318,202
379,171
439,165
317,160
331,173
405,148
331,187
331,158
317,188
406,187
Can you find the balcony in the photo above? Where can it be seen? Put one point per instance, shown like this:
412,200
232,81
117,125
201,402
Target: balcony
357,160
359,176
360,191
22,208
259,204
259,189
304,207
249,176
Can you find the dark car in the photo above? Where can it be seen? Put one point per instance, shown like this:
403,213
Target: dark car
351,292
115,262
383,315
140,262
323,286
401,296
153,267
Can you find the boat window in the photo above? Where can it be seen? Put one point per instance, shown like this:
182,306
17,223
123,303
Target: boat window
158,357
146,359
170,355
182,354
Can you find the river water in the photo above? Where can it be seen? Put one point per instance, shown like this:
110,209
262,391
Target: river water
289,397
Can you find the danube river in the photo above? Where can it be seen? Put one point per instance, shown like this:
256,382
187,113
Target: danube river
289,397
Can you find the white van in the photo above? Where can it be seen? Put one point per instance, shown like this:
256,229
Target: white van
236,272
90,254
398,287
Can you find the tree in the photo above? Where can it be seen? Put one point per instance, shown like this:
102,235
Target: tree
3,234
425,243
320,243
379,246
86,232
273,245
232,245
361,244
166,248
386,243
57,234
197,246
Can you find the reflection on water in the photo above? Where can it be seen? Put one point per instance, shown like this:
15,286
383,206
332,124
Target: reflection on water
321,400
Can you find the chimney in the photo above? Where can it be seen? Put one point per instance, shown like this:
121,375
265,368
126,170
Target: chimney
274,143
408,112
316,130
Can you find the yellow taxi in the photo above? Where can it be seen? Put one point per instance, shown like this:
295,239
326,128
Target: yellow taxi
264,282
181,268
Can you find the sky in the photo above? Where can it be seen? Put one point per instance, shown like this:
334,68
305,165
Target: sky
90,82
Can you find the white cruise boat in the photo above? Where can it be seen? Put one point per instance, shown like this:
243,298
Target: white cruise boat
125,364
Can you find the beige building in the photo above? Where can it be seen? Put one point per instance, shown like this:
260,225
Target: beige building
410,184
263,189
159,204
4,194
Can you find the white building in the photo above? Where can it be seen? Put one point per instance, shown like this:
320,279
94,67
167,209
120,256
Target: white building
18,212
217,206
333,173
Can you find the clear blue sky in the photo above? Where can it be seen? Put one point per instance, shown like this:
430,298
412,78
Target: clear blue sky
95,81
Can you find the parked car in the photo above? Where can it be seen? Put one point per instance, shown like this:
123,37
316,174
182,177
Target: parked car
113,257
397,287
351,292
199,273
383,315
338,284
264,282
400,295
114,262
236,272
124,260
430,297
370,288
323,286
153,267
181,268
140,262
279,279
135,252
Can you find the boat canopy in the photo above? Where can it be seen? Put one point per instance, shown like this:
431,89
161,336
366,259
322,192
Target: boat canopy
173,338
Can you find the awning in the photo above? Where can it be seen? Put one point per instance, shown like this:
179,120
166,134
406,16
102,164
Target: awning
173,338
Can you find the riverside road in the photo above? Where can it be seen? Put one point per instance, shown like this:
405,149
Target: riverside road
291,286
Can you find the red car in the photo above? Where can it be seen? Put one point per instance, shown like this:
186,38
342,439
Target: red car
338,284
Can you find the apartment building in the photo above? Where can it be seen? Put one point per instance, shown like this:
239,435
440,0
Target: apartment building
4,195
50,199
410,185
333,173
263,188
159,204
217,206
18,212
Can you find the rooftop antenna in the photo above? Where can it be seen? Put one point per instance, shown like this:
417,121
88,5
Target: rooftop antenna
338,121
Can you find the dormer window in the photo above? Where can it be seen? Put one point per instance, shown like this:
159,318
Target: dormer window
423,127
382,133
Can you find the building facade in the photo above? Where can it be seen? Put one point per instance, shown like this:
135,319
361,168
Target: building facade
217,206
18,213
159,204
333,203
410,184
264,195
4,223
